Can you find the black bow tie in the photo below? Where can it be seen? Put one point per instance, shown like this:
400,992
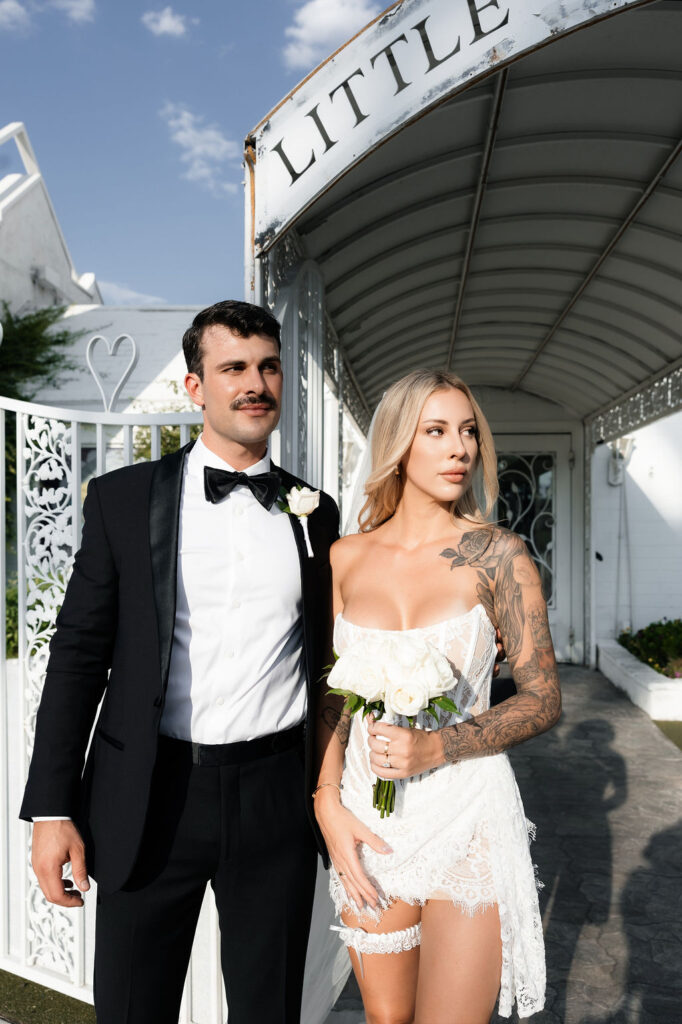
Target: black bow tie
219,482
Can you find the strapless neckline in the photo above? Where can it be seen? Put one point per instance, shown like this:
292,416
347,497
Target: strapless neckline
419,629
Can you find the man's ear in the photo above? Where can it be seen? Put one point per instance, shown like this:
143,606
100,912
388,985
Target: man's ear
195,388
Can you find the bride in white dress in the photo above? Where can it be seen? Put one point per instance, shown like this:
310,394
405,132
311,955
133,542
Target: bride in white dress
438,901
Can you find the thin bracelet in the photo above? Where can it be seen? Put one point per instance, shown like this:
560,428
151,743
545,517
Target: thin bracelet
323,784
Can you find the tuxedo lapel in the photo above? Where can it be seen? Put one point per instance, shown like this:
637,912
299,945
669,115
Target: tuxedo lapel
164,523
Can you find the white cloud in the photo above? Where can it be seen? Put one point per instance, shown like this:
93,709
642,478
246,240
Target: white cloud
120,295
76,10
205,150
16,14
321,26
165,22
13,16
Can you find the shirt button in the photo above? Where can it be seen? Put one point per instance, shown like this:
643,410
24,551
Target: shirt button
235,605
220,701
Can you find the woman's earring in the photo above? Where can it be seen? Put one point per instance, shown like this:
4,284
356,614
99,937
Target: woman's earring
397,470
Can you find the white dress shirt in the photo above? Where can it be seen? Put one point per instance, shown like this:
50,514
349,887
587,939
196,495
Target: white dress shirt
236,668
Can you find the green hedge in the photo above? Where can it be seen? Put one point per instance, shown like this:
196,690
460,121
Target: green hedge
659,645
12,620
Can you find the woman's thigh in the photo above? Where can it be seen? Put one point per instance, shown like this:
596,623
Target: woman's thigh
460,962
387,981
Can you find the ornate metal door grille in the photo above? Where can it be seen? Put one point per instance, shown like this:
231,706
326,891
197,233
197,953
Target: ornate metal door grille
527,505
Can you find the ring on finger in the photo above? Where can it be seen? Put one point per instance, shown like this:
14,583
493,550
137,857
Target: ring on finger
386,764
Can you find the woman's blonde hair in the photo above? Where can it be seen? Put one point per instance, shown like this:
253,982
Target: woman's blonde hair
395,426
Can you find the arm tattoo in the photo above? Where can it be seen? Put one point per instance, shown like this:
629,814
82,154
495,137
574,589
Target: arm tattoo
337,722
510,590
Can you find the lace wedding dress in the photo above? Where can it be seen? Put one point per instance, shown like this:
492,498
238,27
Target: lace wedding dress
458,832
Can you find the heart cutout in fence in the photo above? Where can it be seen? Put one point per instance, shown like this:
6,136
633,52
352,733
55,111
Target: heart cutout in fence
111,351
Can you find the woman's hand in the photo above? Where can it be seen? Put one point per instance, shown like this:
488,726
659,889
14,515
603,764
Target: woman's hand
343,833
409,751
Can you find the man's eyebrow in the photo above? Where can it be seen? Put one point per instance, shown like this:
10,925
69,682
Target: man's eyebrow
241,362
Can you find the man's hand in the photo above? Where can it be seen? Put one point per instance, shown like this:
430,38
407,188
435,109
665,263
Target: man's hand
56,843
501,653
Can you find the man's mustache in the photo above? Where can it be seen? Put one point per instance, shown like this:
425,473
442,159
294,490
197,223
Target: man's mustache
239,403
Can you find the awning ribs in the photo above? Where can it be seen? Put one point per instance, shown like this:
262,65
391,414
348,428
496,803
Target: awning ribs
643,199
478,202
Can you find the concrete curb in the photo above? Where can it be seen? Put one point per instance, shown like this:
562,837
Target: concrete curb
660,697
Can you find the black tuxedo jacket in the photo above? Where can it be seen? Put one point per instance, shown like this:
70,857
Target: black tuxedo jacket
113,639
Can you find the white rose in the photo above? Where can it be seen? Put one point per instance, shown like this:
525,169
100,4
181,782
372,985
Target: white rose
407,693
302,501
359,671
370,683
441,672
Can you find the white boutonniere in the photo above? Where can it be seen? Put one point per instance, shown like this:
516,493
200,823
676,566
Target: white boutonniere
300,502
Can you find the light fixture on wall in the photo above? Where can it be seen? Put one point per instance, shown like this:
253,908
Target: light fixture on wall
621,450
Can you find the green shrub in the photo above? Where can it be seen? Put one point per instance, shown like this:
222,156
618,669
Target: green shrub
659,645
38,625
12,621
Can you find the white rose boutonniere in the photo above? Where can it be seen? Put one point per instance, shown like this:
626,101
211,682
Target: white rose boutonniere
300,502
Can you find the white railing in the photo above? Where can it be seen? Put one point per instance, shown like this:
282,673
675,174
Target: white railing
57,450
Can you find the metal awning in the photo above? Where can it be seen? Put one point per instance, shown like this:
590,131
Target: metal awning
525,229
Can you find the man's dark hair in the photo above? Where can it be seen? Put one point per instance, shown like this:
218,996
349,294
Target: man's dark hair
243,319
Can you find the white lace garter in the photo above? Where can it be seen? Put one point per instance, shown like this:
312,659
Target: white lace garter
374,942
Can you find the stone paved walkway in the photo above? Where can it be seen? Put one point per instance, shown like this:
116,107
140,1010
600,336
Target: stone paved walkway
605,790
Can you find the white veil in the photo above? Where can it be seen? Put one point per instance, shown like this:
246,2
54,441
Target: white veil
359,497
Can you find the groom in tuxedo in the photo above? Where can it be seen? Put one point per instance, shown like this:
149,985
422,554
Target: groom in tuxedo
197,613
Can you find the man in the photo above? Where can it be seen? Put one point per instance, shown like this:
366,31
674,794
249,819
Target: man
199,610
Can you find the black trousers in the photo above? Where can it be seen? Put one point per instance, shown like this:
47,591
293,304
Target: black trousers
243,828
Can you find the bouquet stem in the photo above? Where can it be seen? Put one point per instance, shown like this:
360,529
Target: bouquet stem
384,796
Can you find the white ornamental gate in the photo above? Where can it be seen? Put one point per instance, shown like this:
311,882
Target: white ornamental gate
54,452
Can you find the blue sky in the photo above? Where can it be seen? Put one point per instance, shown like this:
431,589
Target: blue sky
137,113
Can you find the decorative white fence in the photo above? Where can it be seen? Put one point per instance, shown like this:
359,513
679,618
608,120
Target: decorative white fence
55,453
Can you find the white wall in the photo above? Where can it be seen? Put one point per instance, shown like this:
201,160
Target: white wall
651,496
35,265
156,381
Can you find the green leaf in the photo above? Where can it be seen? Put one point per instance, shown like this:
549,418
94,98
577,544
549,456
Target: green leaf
446,704
430,711
340,693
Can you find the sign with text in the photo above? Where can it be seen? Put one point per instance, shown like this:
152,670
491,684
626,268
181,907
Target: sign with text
410,58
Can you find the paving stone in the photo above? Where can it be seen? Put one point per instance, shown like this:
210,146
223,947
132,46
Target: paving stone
605,791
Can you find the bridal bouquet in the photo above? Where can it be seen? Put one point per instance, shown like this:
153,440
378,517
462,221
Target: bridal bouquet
392,676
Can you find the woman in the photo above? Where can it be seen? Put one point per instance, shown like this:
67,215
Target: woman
438,901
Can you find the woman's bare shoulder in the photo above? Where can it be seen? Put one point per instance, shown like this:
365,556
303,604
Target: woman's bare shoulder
506,541
348,548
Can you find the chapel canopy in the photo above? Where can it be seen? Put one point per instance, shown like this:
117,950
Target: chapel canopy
490,186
